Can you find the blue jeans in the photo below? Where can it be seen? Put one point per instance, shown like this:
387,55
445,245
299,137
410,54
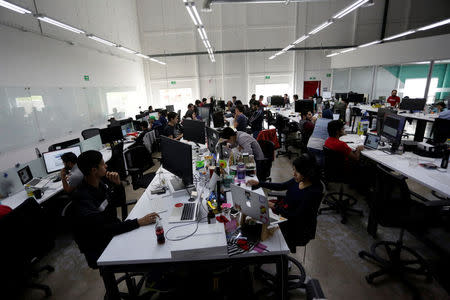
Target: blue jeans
318,154
255,134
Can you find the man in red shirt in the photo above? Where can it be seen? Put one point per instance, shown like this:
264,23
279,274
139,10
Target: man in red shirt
393,99
335,131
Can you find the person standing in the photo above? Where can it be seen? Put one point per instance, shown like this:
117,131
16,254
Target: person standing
393,99
257,118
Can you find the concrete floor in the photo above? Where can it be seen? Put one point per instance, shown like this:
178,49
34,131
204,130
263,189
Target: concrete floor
332,258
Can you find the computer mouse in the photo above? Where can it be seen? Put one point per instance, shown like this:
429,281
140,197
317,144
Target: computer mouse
191,199
254,187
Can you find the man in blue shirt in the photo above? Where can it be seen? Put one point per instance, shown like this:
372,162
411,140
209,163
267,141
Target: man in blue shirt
240,120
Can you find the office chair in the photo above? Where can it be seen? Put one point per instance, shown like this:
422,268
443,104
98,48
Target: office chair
26,238
334,172
354,114
341,113
269,118
138,161
284,129
268,150
91,132
393,207
117,163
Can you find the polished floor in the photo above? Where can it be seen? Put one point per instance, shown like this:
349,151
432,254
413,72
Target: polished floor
332,258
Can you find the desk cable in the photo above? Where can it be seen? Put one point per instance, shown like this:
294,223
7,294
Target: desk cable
186,236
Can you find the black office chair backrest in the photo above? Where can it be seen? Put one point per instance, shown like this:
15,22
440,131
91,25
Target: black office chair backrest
117,163
356,111
91,132
138,158
267,148
334,166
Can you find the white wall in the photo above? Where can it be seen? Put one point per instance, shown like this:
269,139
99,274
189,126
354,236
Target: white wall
29,59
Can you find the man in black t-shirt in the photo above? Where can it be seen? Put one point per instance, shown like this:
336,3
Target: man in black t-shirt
170,130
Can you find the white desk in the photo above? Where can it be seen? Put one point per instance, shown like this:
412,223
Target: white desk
138,249
53,188
408,165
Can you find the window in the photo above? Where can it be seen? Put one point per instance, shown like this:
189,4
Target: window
268,90
121,104
29,102
414,88
179,98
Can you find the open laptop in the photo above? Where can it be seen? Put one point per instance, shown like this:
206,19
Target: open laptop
371,142
185,211
27,178
254,205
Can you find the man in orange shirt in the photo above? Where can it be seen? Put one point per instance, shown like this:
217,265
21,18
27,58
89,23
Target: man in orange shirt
393,99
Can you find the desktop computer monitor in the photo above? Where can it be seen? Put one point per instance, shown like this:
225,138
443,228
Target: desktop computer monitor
326,95
111,134
212,137
381,113
170,108
304,105
221,104
194,131
204,114
176,157
441,131
127,128
393,126
277,101
343,96
53,161
218,119
356,98
63,145
413,104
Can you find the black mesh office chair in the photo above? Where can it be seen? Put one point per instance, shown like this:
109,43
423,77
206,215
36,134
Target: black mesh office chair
284,129
91,132
268,150
138,161
354,114
26,238
335,172
117,163
269,118
393,207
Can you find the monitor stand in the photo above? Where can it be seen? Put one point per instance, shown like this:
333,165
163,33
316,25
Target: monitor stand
177,184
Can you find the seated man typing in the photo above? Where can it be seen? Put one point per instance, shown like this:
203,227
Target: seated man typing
94,211
335,131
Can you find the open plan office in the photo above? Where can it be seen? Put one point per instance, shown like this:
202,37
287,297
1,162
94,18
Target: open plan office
222,149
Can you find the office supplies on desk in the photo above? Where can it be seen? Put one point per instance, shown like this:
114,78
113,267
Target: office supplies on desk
27,178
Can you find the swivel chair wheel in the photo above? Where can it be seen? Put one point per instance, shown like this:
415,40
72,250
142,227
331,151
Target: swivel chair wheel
361,254
369,279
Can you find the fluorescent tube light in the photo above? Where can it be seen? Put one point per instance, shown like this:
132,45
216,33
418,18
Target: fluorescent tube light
100,40
201,34
320,27
369,44
190,14
204,33
349,9
14,7
301,39
333,54
125,49
194,9
444,22
272,57
208,44
399,35
142,55
287,48
59,24
157,61
347,50
204,43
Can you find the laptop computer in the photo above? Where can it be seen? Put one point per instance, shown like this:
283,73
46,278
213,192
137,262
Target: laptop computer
185,211
27,178
371,142
254,205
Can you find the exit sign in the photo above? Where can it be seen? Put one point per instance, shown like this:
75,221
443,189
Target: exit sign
312,78
173,82
267,77
328,74
86,77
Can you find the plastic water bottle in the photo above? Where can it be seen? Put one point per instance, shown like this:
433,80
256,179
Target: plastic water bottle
159,230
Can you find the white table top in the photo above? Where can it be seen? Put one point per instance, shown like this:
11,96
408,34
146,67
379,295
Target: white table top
416,116
53,188
140,246
408,165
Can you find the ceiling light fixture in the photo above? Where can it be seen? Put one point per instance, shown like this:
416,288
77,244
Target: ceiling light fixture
369,44
157,61
125,49
100,40
320,27
142,55
333,54
14,7
437,24
347,50
301,39
399,35
349,9
59,24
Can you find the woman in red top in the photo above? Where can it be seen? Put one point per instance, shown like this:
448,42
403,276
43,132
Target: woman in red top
393,99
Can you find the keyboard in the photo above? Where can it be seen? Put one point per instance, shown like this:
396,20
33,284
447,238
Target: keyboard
188,211
34,181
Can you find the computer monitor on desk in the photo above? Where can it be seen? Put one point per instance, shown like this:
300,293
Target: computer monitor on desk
304,105
277,101
204,113
127,128
381,113
218,119
343,96
63,145
194,131
53,161
413,104
176,157
393,126
441,131
170,108
213,137
111,134
356,98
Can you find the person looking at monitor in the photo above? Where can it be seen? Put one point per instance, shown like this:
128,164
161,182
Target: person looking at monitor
335,131
240,120
140,139
169,130
71,176
190,113
393,99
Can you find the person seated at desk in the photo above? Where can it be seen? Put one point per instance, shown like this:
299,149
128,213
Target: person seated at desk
393,99
170,130
319,135
203,102
445,115
94,212
286,99
140,139
240,120
257,118
246,144
190,113
261,99
302,200
71,175
439,107
162,118
339,108
335,131
150,109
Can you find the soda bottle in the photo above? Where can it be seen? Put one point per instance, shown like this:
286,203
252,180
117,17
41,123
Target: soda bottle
159,230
